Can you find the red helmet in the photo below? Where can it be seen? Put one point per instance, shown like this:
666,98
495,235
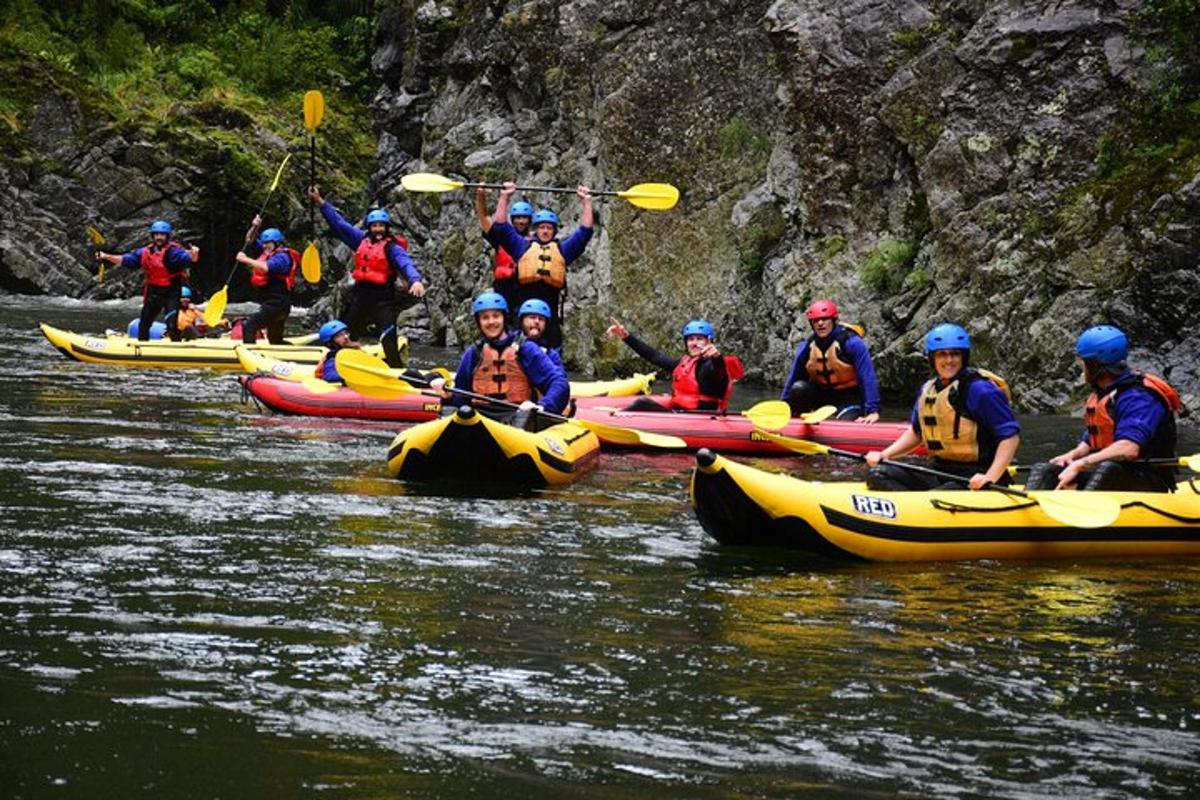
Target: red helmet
822,309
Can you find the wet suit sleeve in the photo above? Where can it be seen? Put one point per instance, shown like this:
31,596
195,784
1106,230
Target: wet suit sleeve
347,233
549,379
504,235
865,367
401,262
576,243
132,259
177,259
658,359
989,407
1139,413
279,264
797,372
712,376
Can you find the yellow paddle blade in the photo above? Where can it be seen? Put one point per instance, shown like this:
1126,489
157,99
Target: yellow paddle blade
769,414
654,196
631,436
1078,509
802,446
310,264
278,174
318,386
96,236
370,376
100,273
1192,462
429,182
216,307
314,109
818,414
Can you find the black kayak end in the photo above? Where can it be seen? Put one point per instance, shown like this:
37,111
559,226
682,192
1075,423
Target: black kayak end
705,457
465,412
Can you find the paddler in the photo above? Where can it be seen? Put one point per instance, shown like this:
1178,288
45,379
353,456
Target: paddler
379,258
541,269
1129,415
505,365
190,318
504,268
165,263
273,268
701,379
963,417
832,367
534,317
335,335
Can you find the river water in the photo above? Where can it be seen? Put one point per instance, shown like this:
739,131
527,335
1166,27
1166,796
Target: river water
199,600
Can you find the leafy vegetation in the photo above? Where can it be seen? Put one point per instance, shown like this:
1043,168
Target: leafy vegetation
886,267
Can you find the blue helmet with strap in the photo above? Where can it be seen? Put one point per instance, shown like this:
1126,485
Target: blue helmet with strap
331,329
699,327
489,301
534,306
545,215
271,235
186,292
522,209
946,337
379,215
1104,344
161,226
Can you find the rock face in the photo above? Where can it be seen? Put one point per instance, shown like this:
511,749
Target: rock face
918,162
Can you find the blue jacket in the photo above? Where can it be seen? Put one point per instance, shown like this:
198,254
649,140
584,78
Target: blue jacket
278,265
175,259
352,237
329,370
503,234
856,351
543,373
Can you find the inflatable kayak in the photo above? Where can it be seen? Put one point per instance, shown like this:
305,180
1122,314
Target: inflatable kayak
313,397
730,432
741,505
211,353
467,446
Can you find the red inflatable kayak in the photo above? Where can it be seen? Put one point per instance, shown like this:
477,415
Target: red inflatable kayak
732,433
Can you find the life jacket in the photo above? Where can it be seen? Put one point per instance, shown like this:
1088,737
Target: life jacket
826,368
498,373
260,278
685,386
542,263
948,431
155,266
186,317
371,263
1100,415
503,269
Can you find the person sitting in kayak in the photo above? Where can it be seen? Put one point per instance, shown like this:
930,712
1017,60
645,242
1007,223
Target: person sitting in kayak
832,367
190,318
504,269
165,263
335,335
701,379
505,365
963,417
541,269
273,268
379,257
1130,416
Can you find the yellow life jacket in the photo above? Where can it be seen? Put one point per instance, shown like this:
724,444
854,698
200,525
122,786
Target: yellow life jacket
543,263
826,368
950,434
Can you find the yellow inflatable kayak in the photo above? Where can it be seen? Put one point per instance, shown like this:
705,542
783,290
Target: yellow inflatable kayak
211,353
638,383
741,505
467,446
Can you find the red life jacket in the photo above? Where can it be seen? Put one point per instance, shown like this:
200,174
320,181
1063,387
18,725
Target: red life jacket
155,267
505,266
685,388
260,278
1102,424
371,263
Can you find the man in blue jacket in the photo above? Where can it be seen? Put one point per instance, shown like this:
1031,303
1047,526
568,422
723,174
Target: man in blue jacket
832,367
379,258
165,263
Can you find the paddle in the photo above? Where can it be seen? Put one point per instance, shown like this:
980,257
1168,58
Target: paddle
314,112
1191,462
653,196
371,376
216,304
1077,509
98,241
769,414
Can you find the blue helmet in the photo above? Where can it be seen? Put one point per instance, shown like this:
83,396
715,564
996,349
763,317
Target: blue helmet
379,215
489,301
534,306
545,215
161,226
186,292
698,327
1102,343
271,235
523,209
331,329
946,337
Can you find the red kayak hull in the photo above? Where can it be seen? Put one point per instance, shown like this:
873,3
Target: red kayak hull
733,433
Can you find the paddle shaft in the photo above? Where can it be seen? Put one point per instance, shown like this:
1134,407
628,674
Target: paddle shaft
1157,462
936,473
485,398
552,189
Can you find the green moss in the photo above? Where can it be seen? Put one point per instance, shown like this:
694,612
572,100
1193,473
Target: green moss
739,141
831,246
886,267
755,241
553,78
